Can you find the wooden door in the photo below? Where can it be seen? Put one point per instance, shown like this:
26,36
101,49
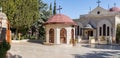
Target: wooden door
63,35
51,36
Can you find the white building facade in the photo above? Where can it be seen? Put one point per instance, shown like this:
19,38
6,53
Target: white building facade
99,24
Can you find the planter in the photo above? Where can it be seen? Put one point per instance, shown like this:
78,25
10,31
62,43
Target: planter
92,41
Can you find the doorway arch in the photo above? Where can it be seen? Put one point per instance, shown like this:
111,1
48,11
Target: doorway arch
51,35
63,35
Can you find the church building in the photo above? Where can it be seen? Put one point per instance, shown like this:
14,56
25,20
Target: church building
99,25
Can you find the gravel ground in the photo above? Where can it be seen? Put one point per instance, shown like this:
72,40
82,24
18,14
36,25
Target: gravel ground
37,50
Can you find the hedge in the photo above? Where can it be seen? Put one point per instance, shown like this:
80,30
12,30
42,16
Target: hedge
4,47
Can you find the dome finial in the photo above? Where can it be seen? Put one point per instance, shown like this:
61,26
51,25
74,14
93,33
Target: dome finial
114,4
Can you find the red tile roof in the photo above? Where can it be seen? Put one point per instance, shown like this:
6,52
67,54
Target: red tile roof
60,19
114,9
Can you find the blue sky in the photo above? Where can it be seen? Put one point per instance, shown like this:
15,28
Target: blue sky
75,8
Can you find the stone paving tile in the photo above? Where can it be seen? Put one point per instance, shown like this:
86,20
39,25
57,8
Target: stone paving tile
36,50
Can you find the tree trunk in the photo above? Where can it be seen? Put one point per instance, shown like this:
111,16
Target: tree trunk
16,33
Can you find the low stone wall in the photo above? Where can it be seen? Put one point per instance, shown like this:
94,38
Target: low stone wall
18,41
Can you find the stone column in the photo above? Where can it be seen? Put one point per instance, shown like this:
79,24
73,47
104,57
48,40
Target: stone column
57,36
68,35
74,33
97,32
47,35
110,36
114,35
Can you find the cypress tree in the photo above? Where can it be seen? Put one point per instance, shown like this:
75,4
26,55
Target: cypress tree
54,10
50,9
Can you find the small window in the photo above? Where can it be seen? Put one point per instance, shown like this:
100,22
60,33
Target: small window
104,29
100,31
78,30
108,33
98,12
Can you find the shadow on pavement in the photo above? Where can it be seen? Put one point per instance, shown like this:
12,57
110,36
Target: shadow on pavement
102,46
9,55
36,41
99,54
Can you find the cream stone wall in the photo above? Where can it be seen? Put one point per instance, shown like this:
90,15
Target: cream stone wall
102,11
57,28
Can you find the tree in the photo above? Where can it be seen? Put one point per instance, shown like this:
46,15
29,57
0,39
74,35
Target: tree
118,34
4,47
54,10
24,14
21,13
50,9
45,13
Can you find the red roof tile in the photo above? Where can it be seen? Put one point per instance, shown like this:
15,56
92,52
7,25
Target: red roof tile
60,19
114,9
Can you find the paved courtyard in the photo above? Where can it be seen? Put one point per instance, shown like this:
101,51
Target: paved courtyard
37,50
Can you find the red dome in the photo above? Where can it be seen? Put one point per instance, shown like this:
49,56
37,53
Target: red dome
60,19
114,9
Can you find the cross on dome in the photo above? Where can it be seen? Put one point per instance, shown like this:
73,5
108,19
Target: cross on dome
59,9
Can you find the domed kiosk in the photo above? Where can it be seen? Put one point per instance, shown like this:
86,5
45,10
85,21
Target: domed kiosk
60,29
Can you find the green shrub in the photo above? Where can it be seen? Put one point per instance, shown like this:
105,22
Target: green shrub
4,47
118,34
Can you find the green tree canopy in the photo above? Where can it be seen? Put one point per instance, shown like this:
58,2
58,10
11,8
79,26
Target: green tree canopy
54,10
21,13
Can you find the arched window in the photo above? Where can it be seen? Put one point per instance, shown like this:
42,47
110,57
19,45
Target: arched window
104,29
63,35
51,35
100,31
78,30
108,31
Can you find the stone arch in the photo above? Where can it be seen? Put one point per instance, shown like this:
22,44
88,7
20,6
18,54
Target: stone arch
63,35
51,35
